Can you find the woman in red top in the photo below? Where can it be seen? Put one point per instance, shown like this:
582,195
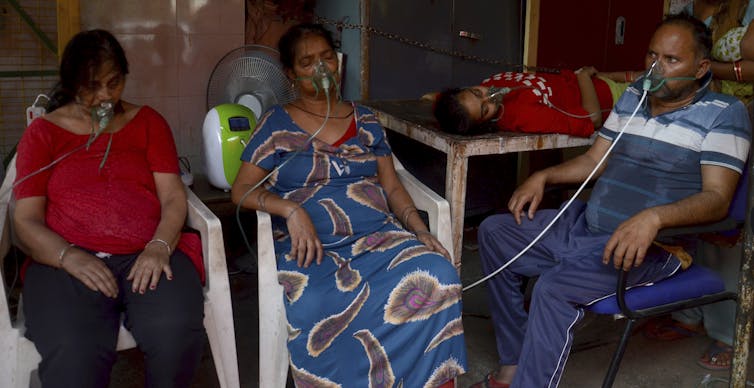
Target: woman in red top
99,208
568,102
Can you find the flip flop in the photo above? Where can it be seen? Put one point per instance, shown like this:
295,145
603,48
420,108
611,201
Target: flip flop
668,329
489,382
718,356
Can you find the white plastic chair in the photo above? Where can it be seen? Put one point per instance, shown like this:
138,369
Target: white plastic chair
19,357
273,329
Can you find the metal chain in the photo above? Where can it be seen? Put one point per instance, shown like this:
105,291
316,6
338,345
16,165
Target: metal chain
340,25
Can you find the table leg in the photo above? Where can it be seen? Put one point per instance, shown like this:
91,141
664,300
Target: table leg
455,192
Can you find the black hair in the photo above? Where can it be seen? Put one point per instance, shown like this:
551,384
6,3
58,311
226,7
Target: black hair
701,34
450,114
287,42
83,56
454,118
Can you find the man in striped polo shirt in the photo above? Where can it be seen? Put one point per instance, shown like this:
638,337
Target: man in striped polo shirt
676,163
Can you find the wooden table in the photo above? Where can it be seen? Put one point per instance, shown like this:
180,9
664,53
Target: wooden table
414,119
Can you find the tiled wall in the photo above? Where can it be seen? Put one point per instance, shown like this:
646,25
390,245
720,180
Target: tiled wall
21,50
172,47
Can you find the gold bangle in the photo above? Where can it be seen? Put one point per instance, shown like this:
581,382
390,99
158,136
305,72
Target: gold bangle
161,241
407,212
260,201
62,253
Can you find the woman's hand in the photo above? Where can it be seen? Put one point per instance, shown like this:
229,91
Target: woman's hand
305,245
91,271
149,266
432,243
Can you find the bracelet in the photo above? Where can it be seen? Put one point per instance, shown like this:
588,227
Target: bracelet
62,253
161,241
737,71
422,232
629,77
407,212
293,211
260,201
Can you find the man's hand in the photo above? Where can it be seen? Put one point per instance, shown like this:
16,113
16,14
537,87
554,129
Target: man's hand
629,243
530,192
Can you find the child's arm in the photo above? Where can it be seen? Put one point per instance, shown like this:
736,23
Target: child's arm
589,100
621,76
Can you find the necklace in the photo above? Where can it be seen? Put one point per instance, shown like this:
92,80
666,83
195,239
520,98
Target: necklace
319,115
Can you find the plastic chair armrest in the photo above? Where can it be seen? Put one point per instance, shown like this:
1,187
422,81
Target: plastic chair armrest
201,218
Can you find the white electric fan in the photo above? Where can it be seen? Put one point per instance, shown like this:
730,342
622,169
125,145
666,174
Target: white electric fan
243,85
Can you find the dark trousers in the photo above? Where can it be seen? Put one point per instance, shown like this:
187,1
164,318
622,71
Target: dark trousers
75,329
568,261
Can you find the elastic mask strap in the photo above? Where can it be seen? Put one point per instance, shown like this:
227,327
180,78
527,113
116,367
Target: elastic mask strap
648,82
316,85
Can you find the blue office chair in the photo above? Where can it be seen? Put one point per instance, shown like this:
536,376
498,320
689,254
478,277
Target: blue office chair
696,286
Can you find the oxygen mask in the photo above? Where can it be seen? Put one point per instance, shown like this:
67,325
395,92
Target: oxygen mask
322,78
103,113
654,78
495,94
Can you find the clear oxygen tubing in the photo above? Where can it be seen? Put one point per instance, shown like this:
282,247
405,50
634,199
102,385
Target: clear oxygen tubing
496,94
321,78
101,114
573,198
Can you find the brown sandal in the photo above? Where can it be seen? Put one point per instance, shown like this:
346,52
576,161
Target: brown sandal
718,356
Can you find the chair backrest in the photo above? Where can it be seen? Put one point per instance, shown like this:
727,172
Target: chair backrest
737,209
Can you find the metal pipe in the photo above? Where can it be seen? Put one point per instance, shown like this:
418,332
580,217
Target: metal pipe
742,335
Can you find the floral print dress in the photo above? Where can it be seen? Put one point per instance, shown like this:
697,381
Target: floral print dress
382,310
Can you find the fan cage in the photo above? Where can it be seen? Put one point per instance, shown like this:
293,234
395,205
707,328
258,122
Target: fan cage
251,70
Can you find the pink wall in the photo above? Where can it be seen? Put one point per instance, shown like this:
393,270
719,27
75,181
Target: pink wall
172,47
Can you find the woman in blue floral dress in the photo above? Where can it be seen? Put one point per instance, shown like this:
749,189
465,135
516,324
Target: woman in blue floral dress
371,296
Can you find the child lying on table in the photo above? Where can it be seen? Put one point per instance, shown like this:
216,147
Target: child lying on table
569,102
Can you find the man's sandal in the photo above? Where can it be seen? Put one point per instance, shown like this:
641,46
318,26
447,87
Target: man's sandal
718,356
489,382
